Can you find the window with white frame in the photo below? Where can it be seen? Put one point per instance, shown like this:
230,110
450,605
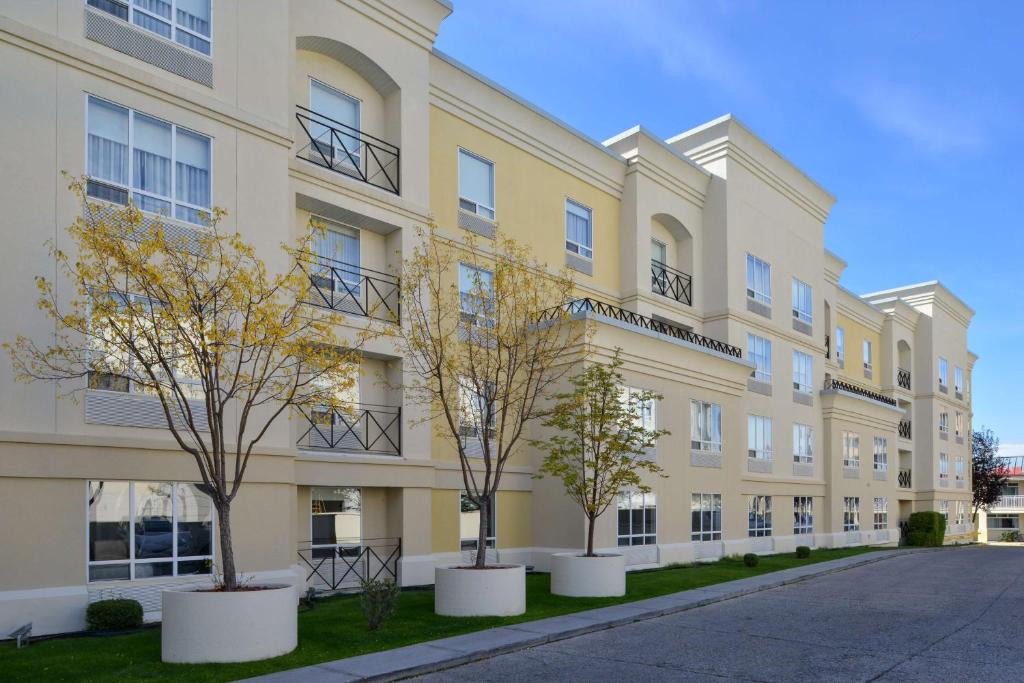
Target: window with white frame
944,423
162,168
759,351
139,530
476,295
476,406
881,460
958,379
759,280
803,443
659,252
851,449
961,468
803,515
759,516
638,519
959,424
943,372
186,22
867,356
339,144
944,509
943,466
759,437
840,346
579,230
476,184
337,253
803,372
469,523
705,426
881,519
802,306
645,407
961,512
851,513
336,521
706,517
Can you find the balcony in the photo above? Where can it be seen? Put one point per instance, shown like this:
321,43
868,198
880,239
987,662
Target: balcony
903,479
347,150
351,289
846,387
344,566
904,429
359,428
1008,504
903,378
675,284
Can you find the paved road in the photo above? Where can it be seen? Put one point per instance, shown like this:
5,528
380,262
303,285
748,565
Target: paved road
956,615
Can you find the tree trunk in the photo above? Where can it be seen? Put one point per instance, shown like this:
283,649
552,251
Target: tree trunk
481,539
591,523
227,552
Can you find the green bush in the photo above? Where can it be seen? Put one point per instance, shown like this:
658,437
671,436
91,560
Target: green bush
1011,537
113,615
803,552
926,529
751,560
378,601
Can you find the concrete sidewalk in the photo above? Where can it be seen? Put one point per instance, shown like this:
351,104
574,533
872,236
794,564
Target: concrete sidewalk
440,654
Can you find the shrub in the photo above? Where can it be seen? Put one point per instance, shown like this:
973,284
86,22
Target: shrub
113,615
378,601
803,552
1011,537
926,529
751,560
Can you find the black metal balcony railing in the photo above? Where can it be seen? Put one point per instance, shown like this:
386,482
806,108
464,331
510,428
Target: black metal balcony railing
343,566
348,150
360,428
587,305
828,346
903,479
833,384
675,284
903,378
352,289
904,429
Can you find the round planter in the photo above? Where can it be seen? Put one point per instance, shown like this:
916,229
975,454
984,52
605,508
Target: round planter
578,576
240,626
497,591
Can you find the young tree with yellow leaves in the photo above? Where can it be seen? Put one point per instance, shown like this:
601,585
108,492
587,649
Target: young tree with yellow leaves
196,320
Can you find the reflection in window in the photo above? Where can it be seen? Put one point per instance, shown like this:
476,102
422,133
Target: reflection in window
469,523
336,520
638,522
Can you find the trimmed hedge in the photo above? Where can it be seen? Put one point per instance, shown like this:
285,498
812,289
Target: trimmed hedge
926,529
113,615
803,552
751,560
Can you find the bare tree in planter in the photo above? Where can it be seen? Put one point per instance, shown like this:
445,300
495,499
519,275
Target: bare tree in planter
601,440
197,322
988,473
481,358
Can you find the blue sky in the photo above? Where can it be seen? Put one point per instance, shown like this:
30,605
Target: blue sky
910,113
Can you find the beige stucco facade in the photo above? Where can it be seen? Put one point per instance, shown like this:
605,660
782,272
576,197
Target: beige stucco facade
707,199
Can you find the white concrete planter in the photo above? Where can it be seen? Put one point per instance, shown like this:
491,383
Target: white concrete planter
578,576
240,626
498,591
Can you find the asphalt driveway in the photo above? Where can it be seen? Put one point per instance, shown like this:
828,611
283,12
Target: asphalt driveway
954,615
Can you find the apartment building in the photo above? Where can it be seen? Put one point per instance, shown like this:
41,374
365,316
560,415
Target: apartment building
800,413
1007,513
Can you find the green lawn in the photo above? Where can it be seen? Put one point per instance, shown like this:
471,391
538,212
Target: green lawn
335,628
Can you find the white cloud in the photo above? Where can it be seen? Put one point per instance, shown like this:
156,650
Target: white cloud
1011,449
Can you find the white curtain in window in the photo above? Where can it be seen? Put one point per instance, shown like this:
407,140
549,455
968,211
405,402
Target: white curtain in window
476,180
194,15
336,105
192,182
108,141
577,226
152,155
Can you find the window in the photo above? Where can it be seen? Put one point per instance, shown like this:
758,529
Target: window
476,293
851,449
840,346
960,468
469,523
475,408
161,167
336,521
759,350
802,372
476,184
803,515
337,253
138,530
759,437
881,454
851,514
867,357
944,423
706,517
646,408
759,280
759,516
943,372
802,307
944,509
959,425
579,237
186,22
881,513
705,426
958,379
659,252
960,512
803,444
943,466
340,144
637,519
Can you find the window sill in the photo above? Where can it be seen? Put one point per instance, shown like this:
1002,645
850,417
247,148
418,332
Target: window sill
803,398
579,263
761,309
759,386
705,459
851,472
477,224
801,326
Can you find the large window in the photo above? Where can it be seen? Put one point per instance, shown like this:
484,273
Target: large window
944,509
881,519
759,437
645,408
186,22
469,523
840,346
579,231
476,184
943,373
161,167
803,377
803,515
138,530
958,379
476,406
851,449
960,468
706,517
803,444
337,253
759,516
638,520
881,461
759,350
867,358
959,424
961,513
476,294
705,426
336,515
851,514
944,422
802,306
340,144
943,466
759,280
